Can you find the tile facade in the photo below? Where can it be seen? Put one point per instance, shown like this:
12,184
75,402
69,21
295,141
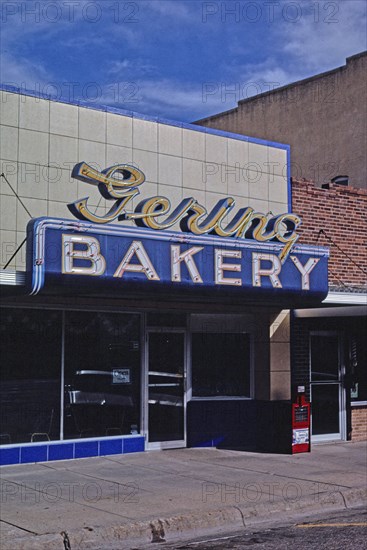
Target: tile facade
42,140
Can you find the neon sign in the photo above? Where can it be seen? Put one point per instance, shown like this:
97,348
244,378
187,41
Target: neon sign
86,257
120,184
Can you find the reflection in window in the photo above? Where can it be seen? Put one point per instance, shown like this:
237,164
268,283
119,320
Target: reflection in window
30,353
220,364
324,358
102,374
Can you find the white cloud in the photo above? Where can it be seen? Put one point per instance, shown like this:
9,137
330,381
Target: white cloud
322,40
23,73
126,67
165,97
325,34
169,8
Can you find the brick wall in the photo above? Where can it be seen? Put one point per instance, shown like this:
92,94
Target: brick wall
342,213
359,423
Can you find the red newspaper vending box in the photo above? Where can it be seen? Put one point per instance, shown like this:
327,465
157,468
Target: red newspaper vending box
301,411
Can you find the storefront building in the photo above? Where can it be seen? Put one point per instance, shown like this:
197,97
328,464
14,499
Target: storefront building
156,321
329,342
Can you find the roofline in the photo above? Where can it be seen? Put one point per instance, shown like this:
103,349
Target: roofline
151,118
285,87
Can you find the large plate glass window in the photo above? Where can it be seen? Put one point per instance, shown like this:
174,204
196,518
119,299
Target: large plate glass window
102,374
30,353
221,356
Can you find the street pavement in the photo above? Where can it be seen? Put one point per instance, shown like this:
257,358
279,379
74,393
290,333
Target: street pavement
123,501
335,530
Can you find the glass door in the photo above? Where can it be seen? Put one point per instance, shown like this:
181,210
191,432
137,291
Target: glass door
166,389
327,391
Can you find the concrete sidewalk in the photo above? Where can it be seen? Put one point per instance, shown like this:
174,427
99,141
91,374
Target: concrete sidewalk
128,501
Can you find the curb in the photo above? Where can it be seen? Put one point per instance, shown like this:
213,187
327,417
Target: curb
173,529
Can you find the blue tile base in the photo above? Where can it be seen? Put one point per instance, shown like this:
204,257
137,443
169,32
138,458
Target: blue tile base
26,453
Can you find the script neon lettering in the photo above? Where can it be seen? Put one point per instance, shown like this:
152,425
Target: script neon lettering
120,183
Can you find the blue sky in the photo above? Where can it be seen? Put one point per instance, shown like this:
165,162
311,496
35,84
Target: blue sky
178,59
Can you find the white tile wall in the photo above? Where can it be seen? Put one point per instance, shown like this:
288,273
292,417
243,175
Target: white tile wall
33,180
36,207
216,149
258,205
198,195
193,144
33,147
92,125
63,151
147,162
170,170
238,182
119,130
145,135
62,187
278,161
118,155
259,186
8,247
38,159
215,177
170,140
9,142
9,109
34,114
7,210
64,119
93,153
10,169
238,152
278,189
277,208
58,210
174,194
20,258
193,171
258,157
211,199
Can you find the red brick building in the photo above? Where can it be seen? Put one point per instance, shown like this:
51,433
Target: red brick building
329,348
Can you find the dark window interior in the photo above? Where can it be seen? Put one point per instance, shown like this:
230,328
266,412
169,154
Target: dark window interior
220,364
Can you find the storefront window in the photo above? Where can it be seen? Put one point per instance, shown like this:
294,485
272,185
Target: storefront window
30,354
102,374
220,364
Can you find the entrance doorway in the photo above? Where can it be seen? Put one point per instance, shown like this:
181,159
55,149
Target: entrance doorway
327,390
166,415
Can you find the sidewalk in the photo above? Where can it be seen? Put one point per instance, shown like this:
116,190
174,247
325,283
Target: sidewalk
123,501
